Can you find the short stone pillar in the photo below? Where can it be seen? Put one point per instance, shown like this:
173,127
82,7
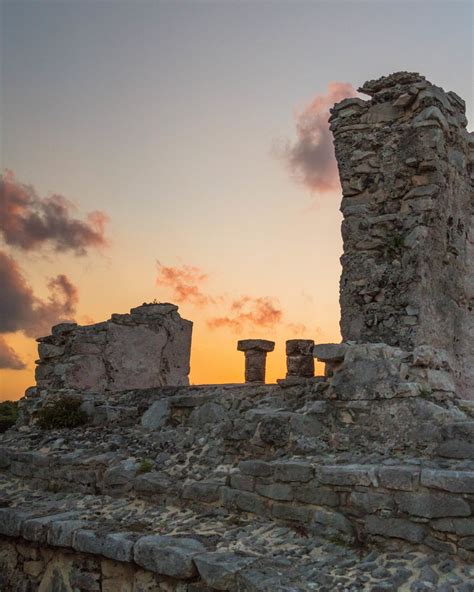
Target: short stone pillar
299,358
255,357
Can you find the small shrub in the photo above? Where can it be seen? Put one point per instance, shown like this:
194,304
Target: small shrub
145,466
8,415
425,393
61,413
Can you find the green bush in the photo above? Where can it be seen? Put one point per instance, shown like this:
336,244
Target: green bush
145,466
61,413
8,414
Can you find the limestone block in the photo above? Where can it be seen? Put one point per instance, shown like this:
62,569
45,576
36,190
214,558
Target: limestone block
119,546
170,556
148,348
453,481
330,352
219,570
432,505
255,344
292,471
397,527
156,416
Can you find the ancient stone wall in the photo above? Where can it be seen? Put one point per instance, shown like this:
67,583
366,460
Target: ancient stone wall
405,161
149,347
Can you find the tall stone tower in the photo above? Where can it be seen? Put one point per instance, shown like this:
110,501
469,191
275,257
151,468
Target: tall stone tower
406,166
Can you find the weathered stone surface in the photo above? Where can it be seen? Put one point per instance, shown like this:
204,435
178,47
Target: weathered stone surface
119,546
156,415
330,352
170,556
89,541
255,344
219,570
404,478
292,471
432,505
148,348
454,481
407,262
398,528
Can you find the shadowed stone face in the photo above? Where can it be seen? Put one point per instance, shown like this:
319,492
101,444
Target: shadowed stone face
405,161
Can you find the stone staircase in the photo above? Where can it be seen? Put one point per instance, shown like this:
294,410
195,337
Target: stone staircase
237,487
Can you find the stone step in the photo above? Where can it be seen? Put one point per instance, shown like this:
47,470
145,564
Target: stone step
418,501
125,544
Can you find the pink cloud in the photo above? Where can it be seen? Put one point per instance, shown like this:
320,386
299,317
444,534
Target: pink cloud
9,359
248,312
185,283
311,158
28,221
22,310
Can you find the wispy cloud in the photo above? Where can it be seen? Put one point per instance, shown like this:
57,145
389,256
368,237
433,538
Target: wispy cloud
311,157
248,312
184,283
21,310
9,359
28,221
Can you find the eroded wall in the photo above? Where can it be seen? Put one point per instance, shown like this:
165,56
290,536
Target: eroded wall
405,162
147,348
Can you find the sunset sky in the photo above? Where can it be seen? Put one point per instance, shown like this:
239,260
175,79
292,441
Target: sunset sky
179,151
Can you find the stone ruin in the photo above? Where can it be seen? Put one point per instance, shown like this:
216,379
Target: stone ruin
149,347
361,479
405,162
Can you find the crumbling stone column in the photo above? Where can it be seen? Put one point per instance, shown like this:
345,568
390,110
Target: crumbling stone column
299,358
255,357
405,161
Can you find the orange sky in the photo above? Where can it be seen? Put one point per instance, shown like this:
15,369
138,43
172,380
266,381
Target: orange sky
193,135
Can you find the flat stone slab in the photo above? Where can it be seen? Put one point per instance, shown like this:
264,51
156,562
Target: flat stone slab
255,344
330,352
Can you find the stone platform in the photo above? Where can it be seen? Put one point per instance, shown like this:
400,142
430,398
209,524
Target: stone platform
267,487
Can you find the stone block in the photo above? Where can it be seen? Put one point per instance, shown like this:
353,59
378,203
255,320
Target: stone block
152,483
299,347
275,491
89,541
312,493
119,546
371,501
169,556
262,345
432,505
292,471
156,416
459,526
243,501
453,481
292,513
256,468
396,528
332,520
404,478
219,570
202,491
330,352
61,533
346,475
243,482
